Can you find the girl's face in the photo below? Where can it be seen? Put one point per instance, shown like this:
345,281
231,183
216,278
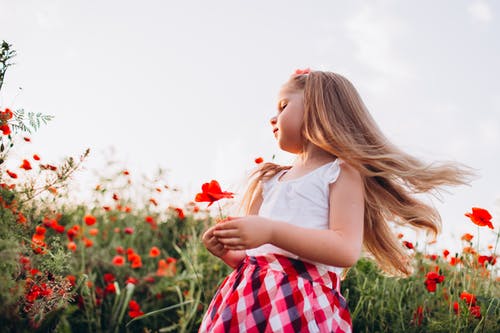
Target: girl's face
288,121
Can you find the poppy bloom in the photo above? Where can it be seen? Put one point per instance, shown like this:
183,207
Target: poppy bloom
454,261
26,165
134,310
480,217
131,280
128,230
110,288
135,259
87,242
11,174
108,278
154,252
118,260
180,213
115,197
446,253
467,237
94,232
475,311
5,129
120,250
89,219
408,245
36,157
27,139
212,192
72,246
418,316
482,260
432,279
259,160
470,299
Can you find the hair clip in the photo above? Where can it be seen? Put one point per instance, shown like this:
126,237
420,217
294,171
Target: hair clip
302,71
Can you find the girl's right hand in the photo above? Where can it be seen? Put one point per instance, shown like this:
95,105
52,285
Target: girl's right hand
212,243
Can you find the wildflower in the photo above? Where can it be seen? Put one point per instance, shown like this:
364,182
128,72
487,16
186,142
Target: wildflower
180,213
110,288
27,139
212,192
432,279
120,250
72,246
26,165
418,316
131,280
106,208
36,157
154,252
446,253
259,160
21,218
115,197
126,173
94,232
73,232
128,230
71,279
87,242
470,299
475,311
89,219
118,260
467,237
454,261
400,235
136,261
480,217
482,260
456,307
11,174
166,268
5,129
134,310
408,245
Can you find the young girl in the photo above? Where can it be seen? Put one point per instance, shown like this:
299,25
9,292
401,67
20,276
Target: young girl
305,223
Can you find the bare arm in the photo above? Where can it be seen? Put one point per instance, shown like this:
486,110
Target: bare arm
340,245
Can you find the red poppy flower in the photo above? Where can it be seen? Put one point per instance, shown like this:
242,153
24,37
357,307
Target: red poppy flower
134,310
26,165
94,232
120,250
482,260
89,219
11,174
454,261
71,279
418,316
467,237
87,242
154,252
131,280
115,197
180,213
212,192
5,129
470,299
36,157
110,288
136,261
408,245
128,230
166,268
118,260
108,278
480,217
475,311
72,246
432,279
446,253
27,139
259,160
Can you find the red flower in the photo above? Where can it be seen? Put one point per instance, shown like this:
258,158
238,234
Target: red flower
118,260
108,278
467,237
212,192
134,310
72,246
26,165
470,299
446,253
475,311
120,250
136,261
482,260
454,261
180,213
89,219
456,307
480,217
88,242
12,174
5,129
408,245
259,160
128,230
27,139
115,197
302,71
154,252
418,316
36,157
432,279
110,288
131,280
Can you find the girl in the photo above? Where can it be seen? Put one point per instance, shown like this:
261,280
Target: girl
305,223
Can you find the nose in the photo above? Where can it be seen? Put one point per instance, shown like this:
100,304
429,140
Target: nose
273,121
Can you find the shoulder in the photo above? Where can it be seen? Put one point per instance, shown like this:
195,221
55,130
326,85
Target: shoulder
348,181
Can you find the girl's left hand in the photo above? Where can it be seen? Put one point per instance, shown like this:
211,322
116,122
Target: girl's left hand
246,232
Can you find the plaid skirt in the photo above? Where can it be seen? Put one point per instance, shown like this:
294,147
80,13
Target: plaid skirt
274,293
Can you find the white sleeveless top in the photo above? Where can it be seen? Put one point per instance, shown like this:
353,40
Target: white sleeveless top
303,202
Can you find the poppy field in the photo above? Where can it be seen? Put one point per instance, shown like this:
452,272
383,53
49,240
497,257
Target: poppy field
129,260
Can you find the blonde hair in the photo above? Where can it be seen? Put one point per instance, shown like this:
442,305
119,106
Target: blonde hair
337,121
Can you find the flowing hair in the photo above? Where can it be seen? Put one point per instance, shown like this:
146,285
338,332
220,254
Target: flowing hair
337,121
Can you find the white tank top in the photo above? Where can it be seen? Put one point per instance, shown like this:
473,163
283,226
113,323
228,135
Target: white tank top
303,201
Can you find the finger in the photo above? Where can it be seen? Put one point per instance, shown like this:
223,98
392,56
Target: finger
230,241
226,233
234,248
226,225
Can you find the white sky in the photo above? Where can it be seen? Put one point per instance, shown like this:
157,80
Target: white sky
190,85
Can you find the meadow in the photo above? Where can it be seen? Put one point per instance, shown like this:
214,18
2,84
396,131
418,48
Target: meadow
128,260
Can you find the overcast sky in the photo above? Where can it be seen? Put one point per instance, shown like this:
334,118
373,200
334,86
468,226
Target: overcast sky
190,85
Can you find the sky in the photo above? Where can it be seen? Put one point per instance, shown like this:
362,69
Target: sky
190,86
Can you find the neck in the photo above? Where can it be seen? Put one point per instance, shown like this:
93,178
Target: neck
313,155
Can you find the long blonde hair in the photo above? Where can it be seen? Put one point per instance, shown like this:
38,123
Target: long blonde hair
337,121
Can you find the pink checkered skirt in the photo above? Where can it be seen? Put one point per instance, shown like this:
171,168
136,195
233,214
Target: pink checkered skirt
274,293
